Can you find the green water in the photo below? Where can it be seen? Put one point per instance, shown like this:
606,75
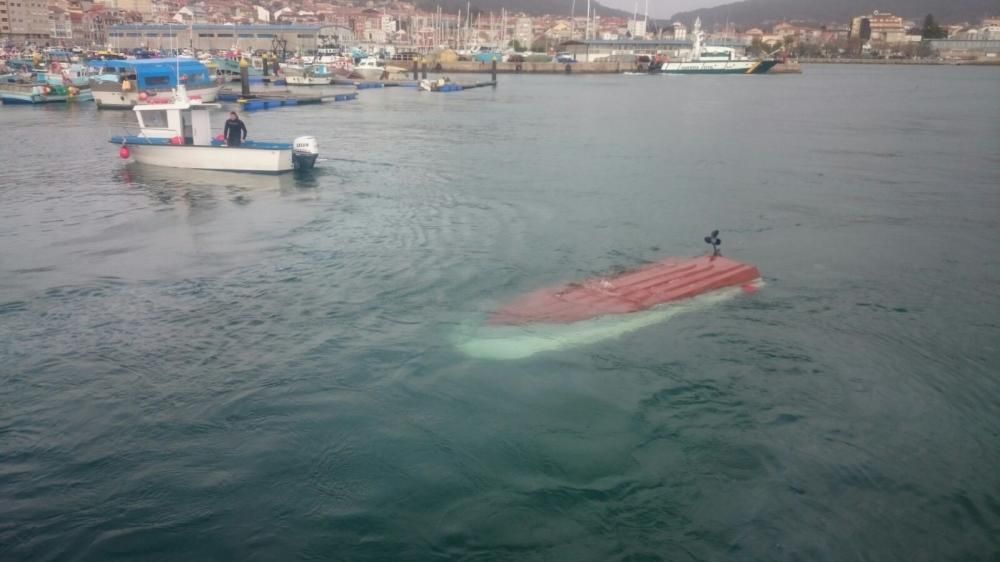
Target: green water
201,366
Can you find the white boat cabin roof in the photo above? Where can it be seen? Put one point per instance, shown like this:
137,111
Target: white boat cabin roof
155,104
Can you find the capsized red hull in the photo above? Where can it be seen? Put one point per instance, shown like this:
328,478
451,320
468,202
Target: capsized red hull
667,281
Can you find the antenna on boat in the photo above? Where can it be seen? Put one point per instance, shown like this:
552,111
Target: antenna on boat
715,241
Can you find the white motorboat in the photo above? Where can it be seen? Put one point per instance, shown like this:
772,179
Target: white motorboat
310,75
177,133
369,68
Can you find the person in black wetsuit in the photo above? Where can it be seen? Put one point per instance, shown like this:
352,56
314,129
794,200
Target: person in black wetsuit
235,131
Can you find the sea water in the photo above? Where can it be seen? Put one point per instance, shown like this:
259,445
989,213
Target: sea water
207,366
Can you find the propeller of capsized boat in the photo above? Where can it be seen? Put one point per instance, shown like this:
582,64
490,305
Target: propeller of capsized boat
715,241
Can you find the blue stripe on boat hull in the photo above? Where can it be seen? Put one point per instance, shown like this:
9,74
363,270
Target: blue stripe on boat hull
249,145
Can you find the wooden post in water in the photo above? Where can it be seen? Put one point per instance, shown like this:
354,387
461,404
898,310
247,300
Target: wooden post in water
245,78
263,64
424,72
416,69
493,72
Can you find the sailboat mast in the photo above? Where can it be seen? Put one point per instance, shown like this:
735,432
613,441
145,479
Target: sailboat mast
572,21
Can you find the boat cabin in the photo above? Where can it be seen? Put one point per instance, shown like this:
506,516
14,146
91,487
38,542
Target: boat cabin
183,121
156,74
719,54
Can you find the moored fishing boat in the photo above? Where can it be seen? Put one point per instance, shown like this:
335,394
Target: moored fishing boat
309,75
369,68
229,69
177,133
118,84
41,87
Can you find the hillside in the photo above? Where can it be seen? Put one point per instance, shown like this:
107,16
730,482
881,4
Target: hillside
763,12
531,7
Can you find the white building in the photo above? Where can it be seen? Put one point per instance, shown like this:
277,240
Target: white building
61,28
524,32
636,28
680,31
24,21
389,25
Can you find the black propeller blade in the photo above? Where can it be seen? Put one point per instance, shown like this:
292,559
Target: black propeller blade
714,240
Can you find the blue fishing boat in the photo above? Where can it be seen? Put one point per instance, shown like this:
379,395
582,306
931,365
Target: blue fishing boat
41,87
120,84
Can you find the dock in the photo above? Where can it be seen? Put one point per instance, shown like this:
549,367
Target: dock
254,104
458,87
375,84
269,99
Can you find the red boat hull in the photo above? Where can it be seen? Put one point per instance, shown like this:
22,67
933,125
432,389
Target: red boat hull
667,281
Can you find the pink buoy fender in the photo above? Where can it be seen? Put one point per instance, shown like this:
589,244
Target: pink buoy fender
124,152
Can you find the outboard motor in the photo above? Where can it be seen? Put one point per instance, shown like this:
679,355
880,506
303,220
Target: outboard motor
304,152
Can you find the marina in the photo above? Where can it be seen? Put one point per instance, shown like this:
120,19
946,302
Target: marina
213,353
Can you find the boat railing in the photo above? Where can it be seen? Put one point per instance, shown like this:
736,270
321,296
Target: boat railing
134,130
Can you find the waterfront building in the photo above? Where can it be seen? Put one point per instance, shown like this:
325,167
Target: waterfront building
879,27
990,29
142,7
524,31
636,28
60,26
600,51
220,37
966,48
680,31
834,34
24,21
559,32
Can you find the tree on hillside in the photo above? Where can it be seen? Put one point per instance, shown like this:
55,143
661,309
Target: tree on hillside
932,30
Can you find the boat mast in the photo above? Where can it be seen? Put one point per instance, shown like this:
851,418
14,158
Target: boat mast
572,21
645,20
696,48
635,18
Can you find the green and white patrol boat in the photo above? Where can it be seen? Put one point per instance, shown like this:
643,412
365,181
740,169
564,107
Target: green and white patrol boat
715,60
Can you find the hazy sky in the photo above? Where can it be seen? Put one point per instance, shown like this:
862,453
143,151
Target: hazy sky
661,8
